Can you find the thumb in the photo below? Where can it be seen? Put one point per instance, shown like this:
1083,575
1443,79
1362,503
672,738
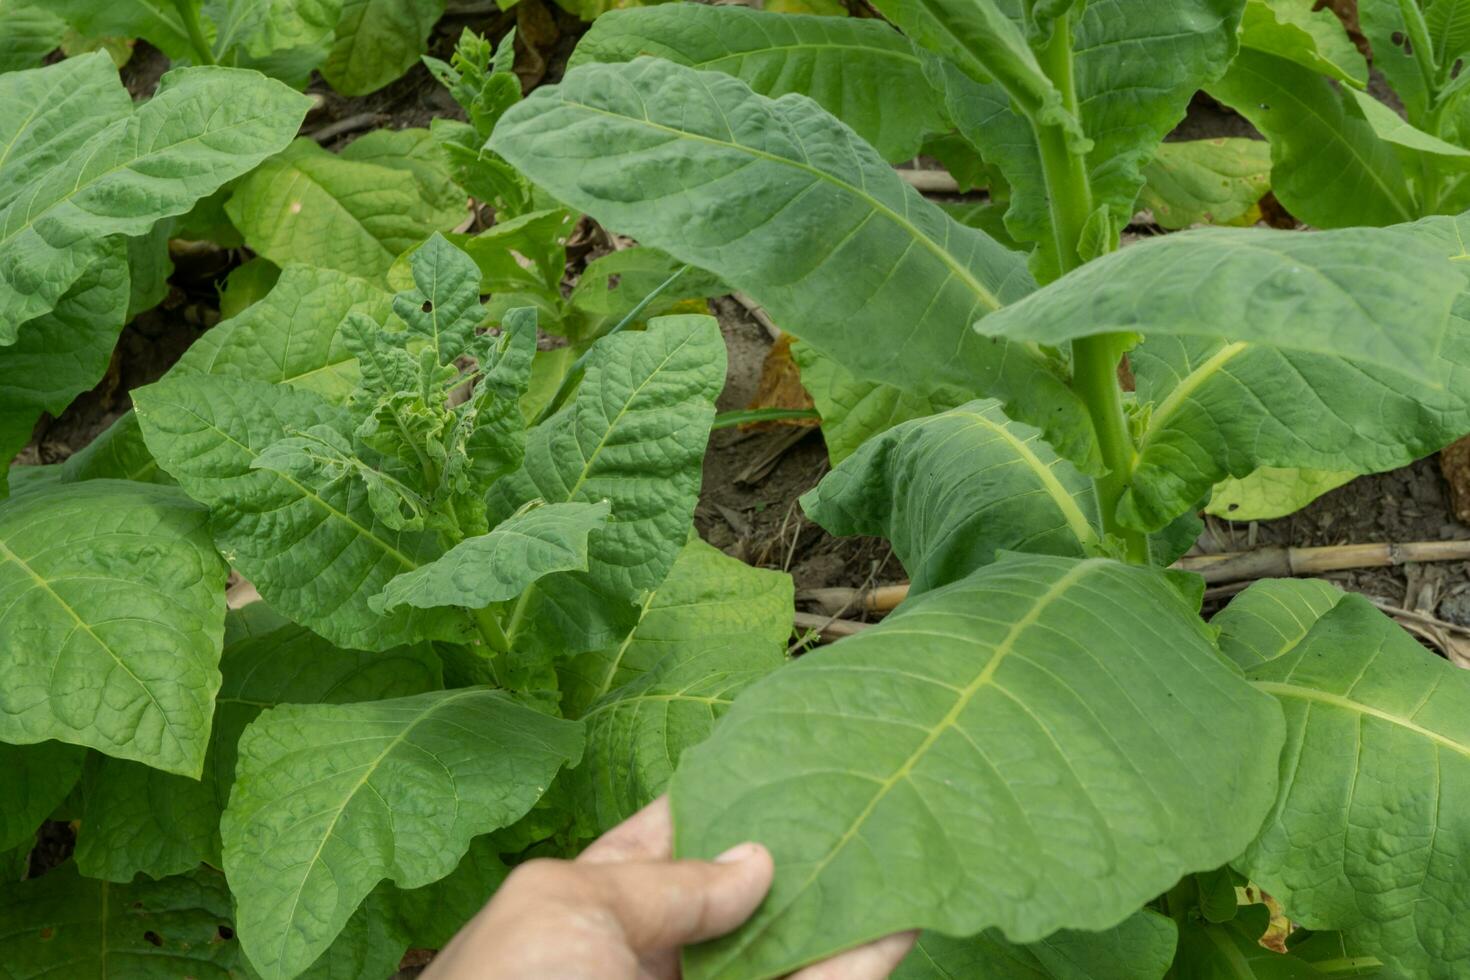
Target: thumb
662,905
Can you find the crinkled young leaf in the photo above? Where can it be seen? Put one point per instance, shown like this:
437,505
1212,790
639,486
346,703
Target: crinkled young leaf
328,801
988,756
114,604
1213,182
861,71
203,127
1328,167
1367,829
63,352
636,733
378,40
1272,492
708,601
64,925
444,307
1312,37
37,779
292,335
1270,618
141,820
1141,947
854,411
312,206
951,490
635,436
500,565
1135,68
497,443
782,201
316,555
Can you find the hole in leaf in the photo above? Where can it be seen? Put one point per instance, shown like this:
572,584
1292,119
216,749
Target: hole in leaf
1459,66
1398,39
225,932
153,937
428,306
1233,507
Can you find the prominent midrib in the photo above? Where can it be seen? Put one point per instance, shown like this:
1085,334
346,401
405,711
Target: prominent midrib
1002,650
1191,382
1282,689
981,291
1066,503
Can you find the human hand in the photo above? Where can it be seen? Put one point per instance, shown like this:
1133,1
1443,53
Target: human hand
624,909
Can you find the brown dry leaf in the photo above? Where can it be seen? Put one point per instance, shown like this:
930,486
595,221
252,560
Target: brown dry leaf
780,387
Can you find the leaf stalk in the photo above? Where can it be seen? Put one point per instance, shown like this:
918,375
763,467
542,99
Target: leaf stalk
189,14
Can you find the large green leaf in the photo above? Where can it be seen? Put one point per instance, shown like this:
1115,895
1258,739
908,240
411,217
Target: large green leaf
951,490
312,206
1045,744
417,152
114,613
1141,947
502,564
136,819
156,21
203,127
1212,182
854,411
1135,69
1263,349
861,71
316,555
1366,833
1270,618
30,34
635,436
64,925
819,229
37,779
1328,166
329,800
378,40
707,601
1272,492
292,335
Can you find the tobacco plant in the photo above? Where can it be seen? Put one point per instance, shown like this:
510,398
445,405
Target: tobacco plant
1045,758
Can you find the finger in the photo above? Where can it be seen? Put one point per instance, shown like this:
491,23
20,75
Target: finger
666,904
874,961
647,835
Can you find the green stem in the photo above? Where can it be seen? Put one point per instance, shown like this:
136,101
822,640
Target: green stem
1418,31
189,14
490,630
1094,359
745,416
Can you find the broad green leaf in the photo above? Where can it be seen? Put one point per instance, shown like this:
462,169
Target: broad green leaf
1413,144
951,490
431,915
378,40
636,733
64,925
1233,951
1003,736
117,453
861,71
501,565
261,28
149,267
1271,492
635,436
1270,618
819,230
47,114
247,284
30,34
854,411
1328,167
1367,828
203,127
1139,948
1300,31
292,335
328,801
1213,182
613,285
62,352
114,612
707,602
37,779
136,819
1136,66
156,21
311,206
416,151
315,555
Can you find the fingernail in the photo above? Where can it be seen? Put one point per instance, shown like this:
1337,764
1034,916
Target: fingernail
738,853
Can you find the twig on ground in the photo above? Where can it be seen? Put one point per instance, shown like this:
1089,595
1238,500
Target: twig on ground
759,315
930,181
827,628
351,124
